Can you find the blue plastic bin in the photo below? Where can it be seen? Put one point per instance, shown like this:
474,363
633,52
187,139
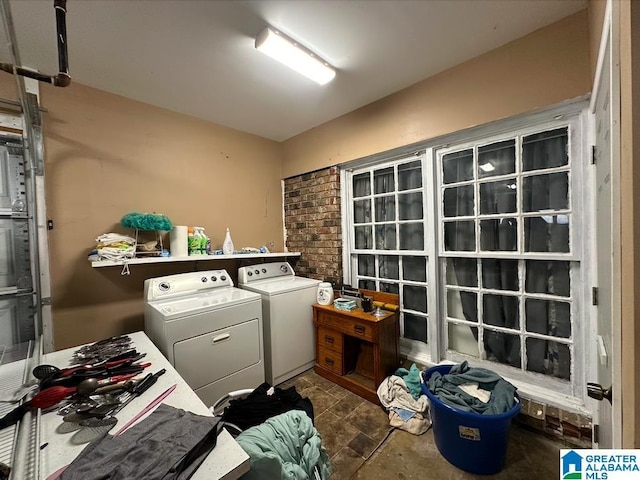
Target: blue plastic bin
472,442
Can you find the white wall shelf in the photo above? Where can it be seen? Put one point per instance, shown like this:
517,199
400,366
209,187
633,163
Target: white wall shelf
191,258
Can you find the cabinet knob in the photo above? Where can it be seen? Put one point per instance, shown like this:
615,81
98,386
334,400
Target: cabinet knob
359,329
328,339
328,360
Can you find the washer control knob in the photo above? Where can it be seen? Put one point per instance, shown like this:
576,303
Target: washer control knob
284,269
257,272
249,273
264,270
214,279
204,279
223,278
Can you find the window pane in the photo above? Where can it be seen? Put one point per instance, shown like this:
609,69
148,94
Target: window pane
412,236
389,288
410,175
502,347
415,298
500,274
463,339
499,235
366,265
410,206
383,180
367,284
458,201
549,233
385,237
548,317
550,358
385,209
414,269
457,167
545,150
415,327
545,192
498,197
497,159
361,185
362,211
459,236
462,305
462,271
388,267
364,238
548,277
501,311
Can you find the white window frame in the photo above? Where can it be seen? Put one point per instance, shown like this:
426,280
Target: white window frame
539,387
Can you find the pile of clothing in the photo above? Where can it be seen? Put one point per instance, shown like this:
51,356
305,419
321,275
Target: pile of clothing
113,246
278,434
472,390
401,394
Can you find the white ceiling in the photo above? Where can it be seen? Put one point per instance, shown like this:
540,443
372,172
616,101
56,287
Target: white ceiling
198,58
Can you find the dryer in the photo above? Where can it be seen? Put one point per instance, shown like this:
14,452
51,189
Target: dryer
209,330
289,336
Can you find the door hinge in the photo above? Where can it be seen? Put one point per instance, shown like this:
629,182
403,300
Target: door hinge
49,224
596,433
593,155
594,295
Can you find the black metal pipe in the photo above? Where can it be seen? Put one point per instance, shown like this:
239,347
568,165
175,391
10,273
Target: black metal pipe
62,79
61,29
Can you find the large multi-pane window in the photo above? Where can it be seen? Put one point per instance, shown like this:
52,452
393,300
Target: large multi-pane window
388,225
483,239
506,244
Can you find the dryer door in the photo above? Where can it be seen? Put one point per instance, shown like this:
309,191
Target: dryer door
207,358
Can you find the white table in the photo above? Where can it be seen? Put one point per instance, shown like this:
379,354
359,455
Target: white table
226,461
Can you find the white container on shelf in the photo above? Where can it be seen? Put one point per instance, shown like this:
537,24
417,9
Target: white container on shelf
325,294
227,245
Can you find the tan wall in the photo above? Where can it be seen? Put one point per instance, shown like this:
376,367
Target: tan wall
107,156
596,13
543,68
630,218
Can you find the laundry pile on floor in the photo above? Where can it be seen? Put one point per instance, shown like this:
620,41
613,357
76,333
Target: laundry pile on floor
277,433
464,388
401,394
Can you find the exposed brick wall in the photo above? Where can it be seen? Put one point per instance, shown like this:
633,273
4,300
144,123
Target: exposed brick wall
312,220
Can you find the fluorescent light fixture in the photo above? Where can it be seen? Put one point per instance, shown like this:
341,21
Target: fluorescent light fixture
294,56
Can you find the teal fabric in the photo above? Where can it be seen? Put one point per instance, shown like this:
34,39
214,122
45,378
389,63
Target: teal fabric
286,447
412,378
446,388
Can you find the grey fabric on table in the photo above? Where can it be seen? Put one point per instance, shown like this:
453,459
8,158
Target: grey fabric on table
169,444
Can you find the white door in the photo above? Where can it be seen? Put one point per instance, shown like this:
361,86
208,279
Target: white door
606,110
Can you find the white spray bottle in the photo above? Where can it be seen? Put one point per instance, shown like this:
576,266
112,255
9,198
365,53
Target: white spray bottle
227,245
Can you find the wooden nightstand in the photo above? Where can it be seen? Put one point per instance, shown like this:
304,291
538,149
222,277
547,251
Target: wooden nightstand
355,349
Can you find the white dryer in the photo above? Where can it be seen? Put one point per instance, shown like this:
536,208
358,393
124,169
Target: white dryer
289,336
210,331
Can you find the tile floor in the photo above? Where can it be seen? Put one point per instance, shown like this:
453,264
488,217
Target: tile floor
352,428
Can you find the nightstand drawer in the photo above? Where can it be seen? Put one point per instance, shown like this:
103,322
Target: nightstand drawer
330,360
347,325
330,339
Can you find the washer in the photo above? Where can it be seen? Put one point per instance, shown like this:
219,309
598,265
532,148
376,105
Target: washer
289,337
210,331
